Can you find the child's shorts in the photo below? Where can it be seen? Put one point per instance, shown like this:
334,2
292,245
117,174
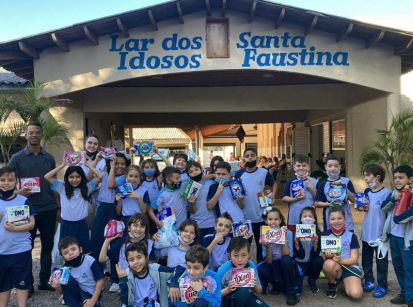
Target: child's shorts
15,271
349,271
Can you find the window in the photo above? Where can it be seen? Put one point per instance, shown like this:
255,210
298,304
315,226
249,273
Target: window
217,38
339,134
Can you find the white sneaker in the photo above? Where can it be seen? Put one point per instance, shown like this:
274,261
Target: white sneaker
114,288
62,300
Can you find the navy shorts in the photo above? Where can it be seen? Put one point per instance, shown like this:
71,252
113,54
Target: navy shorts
77,229
349,271
15,271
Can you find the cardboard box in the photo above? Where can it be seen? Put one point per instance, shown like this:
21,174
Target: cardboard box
192,188
272,235
74,158
236,188
243,277
33,183
305,232
124,189
331,244
18,215
242,229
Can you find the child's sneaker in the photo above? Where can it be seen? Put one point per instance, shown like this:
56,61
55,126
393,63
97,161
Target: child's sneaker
368,286
379,292
114,288
331,290
292,299
312,284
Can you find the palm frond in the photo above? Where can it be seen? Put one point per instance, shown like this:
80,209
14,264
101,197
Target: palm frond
53,132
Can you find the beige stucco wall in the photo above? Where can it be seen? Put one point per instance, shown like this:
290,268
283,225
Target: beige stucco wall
86,65
361,122
72,119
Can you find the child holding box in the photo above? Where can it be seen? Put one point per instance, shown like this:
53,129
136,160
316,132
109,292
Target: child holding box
15,242
341,265
233,293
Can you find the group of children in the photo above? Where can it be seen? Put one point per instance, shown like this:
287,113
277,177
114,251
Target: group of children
207,265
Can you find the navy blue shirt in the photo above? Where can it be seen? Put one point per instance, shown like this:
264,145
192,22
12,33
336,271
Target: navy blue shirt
29,165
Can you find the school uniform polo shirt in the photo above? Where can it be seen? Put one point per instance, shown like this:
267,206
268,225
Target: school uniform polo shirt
204,217
168,198
323,189
87,274
294,208
226,203
130,206
219,254
76,208
374,218
14,242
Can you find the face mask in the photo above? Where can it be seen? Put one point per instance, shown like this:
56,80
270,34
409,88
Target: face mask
223,180
176,185
304,176
251,164
75,262
373,184
134,239
196,178
182,242
6,194
307,220
149,172
337,231
198,277
330,176
91,155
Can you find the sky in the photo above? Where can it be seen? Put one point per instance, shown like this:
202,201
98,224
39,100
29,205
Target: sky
20,18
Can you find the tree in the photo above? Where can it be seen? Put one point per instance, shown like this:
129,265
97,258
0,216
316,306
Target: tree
394,146
16,112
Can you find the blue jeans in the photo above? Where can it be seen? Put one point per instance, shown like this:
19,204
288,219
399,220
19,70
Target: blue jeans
282,272
74,295
311,269
243,297
198,303
403,266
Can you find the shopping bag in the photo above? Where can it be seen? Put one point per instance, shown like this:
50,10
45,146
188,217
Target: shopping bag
56,257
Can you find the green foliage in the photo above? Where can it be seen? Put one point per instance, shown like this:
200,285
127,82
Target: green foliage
394,146
31,107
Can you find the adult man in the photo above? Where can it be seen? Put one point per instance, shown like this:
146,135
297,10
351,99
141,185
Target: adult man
33,161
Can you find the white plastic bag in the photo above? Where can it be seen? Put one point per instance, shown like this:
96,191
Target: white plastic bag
56,258
382,247
168,236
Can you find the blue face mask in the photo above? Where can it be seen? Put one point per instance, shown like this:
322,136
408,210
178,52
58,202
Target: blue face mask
223,180
330,176
201,276
149,172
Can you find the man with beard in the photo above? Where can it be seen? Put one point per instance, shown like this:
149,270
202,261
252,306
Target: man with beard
31,162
